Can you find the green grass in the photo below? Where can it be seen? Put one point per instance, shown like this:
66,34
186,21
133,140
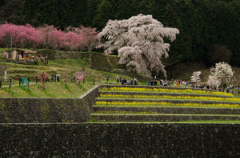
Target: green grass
52,90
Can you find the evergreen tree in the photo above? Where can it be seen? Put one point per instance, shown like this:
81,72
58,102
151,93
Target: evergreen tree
104,13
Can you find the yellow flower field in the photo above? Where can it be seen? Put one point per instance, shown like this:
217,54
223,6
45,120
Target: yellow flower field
157,104
170,97
162,90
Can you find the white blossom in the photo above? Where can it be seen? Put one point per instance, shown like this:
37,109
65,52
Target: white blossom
139,41
223,71
212,80
196,76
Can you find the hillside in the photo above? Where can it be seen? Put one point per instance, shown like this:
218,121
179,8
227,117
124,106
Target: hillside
202,23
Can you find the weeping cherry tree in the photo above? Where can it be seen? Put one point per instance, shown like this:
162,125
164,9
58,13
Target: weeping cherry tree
140,43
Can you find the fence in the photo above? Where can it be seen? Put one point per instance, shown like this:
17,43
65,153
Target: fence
35,80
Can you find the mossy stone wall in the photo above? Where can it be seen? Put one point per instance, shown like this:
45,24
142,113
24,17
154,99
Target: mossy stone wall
98,61
47,110
119,140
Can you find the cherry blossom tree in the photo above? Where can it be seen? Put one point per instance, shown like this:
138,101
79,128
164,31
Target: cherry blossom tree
223,71
196,76
89,36
49,37
24,36
79,75
212,80
140,42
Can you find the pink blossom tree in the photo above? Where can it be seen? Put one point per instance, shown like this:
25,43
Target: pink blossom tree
73,41
90,38
79,76
49,37
139,41
24,36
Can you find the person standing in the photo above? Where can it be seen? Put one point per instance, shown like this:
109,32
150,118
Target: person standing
107,77
135,81
122,81
117,78
46,60
99,78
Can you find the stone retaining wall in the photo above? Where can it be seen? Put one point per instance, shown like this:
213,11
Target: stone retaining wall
119,140
167,110
47,110
98,61
161,118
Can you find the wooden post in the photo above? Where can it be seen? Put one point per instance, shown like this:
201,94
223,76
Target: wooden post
28,82
10,83
36,80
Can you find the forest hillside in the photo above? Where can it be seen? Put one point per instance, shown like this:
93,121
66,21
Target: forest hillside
209,29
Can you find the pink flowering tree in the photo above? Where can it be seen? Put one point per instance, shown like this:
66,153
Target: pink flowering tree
46,36
23,36
90,38
140,42
79,76
73,41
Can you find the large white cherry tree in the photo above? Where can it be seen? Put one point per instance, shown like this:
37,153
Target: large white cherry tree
140,42
223,72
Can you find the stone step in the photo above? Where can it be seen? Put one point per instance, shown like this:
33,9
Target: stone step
160,118
166,100
167,110
162,94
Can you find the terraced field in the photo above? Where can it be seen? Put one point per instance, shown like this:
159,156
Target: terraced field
164,104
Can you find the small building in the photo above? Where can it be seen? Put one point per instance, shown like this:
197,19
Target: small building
21,55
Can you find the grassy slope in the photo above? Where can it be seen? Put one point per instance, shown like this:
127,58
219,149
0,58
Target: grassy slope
53,89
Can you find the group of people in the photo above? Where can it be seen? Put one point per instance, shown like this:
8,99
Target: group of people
125,81
100,76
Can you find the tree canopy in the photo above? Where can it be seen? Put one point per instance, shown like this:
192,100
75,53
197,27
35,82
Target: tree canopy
140,42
